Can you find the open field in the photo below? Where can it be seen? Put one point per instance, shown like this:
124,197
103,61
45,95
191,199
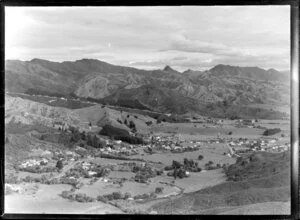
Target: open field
46,200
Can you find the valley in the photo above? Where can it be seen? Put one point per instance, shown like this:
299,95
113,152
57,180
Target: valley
149,110
96,158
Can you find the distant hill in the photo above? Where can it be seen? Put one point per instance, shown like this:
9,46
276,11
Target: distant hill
155,98
90,78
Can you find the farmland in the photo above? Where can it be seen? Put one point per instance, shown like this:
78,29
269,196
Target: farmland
73,163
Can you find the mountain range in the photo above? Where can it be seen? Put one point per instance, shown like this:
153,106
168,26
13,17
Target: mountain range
165,90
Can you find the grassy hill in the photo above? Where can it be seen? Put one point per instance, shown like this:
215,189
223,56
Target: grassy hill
258,184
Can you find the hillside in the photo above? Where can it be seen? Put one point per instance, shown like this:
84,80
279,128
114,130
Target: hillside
155,98
263,178
90,78
18,110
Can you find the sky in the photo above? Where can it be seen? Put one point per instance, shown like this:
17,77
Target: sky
194,37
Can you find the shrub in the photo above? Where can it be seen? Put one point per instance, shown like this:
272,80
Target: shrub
176,164
8,190
132,125
116,195
109,197
153,195
200,157
230,133
82,197
149,123
143,196
70,181
140,178
159,190
11,178
127,195
118,120
181,174
171,173
102,199
167,168
65,194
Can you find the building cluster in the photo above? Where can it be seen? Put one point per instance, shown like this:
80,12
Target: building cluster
119,148
250,123
258,145
172,144
33,163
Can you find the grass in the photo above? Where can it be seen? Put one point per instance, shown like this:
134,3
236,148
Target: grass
70,104
258,165
269,187
19,128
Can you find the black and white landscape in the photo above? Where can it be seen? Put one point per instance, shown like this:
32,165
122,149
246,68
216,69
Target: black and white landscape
147,110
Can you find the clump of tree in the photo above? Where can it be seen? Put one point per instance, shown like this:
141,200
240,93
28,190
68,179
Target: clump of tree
94,141
143,174
111,131
113,196
149,123
120,134
272,131
80,197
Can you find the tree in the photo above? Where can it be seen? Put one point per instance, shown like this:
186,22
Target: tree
200,157
83,137
225,103
95,142
89,140
132,125
59,164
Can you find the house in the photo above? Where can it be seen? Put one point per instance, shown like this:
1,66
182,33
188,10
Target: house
92,173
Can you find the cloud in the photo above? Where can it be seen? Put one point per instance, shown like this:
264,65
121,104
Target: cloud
151,37
181,43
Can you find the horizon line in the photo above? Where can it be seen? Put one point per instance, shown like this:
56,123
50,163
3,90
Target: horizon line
166,65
